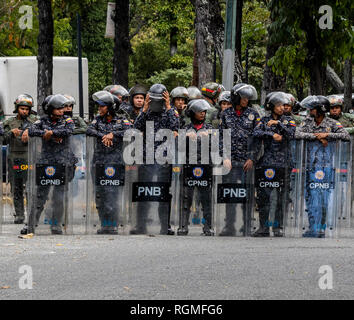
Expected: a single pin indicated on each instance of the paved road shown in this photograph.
(162, 267)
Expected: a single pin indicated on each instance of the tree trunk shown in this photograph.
(205, 41)
(173, 41)
(348, 85)
(45, 52)
(334, 80)
(195, 81)
(271, 82)
(121, 43)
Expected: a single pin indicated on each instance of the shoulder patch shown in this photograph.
(126, 122)
(339, 125)
(69, 120)
(176, 113)
(251, 117)
(292, 123)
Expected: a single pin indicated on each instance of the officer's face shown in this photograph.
(200, 116)
(335, 111)
(313, 113)
(23, 111)
(138, 101)
(179, 103)
(243, 102)
(68, 108)
(58, 113)
(287, 109)
(119, 98)
(102, 110)
(225, 105)
(279, 110)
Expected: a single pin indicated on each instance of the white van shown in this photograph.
(19, 75)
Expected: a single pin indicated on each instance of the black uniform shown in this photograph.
(106, 196)
(55, 152)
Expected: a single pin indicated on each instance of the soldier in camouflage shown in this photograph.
(210, 92)
(16, 136)
(55, 128)
(80, 124)
(335, 112)
(109, 130)
(275, 132)
(319, 129)
(137, 96)
(241, 119)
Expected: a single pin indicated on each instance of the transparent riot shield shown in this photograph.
(152, 203)
(320, 175)
(352, 182)
(272, 185)
(107, 185)
(343, 165)
(51, 168)
(196, 180)
(79, 185)
(1, 190)
(234, 202)
(296, 191)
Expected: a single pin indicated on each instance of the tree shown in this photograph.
(306, 47)
(121, 43)
(45, 51)
(209, 33)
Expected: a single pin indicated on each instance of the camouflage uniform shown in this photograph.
(276, 160)
(243, 147)
(54, 151)
(319, 159)
(165, 120)
(17, 161)
(106, 197)
(205, 193)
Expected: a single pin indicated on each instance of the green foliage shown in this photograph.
(172, 78)
(254, 37)
(292, 23)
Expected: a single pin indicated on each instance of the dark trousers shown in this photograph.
(107, 205)
(237, 175)
(39, 202)
(162, 173)
(205, 199)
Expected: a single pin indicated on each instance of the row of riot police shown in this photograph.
(145, 161)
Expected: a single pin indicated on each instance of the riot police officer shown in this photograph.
(275, 132)
(179, 97)
(157, 109)
(320, 130)
(55, 129)
(197, 113)
(210, 92)
(109, 130)
(241, 119)
(80, 124)
(16, 136)
(335, 112)
(137, 96)
(291, 108)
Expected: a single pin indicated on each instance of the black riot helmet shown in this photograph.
(137, 89)
(275, 99)
(57, 101)
(197, 105)
(242, 90)
(320, 103)
(105, 98)
(45, 103)
(157, 103)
